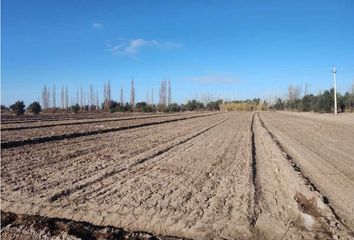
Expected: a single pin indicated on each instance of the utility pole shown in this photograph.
(335, 90)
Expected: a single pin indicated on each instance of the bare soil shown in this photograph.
(210, 176)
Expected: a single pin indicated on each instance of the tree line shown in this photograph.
(322, 102)
(85, 101)
(89, 101)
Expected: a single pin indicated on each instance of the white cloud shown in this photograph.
(132, 47)
(215, 79)
(97, 25)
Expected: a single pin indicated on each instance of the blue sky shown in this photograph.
(230, 49)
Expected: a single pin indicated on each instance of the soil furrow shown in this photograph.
(83, 122)
(12, 144)
(283, 184)
(137, 161)
(321, 150)
(23, 226)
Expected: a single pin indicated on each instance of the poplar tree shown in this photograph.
(132, 95)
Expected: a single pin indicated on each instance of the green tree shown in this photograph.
(173, 107)
(325, 102)
(194, 105)
(215, 105)
(75, 108)
(35, 108)
(279, 105)
(18, 108)
(308, 102)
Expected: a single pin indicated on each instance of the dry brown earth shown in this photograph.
(323, 147)
(220, 176)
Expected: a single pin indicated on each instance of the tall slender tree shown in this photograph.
(77, 96)
(163, 93)
(107, 95)
(81, 98)
(132, 95)
(45, 97)
(121, 97)
(91, 95)
(109, 92)
(62, 97)
(84, 100)
(66, 98)
(169, 93)
(48, 97)
(97, 100)
(54, 97)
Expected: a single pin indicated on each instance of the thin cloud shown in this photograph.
(215, 79)
(133, 47)
(97, 25)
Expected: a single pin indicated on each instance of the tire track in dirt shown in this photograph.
(284, 185)
(67, 192)
(17, 143)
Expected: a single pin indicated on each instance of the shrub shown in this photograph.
(35, 108)
(174, 107)
(75, 108)
(4, 108)
(18, 108)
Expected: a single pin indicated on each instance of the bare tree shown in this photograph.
(45, 97)
(81, 98)
(294, 93)
(206, 98)
(53, 97)
(121, 96)
(107, 95)
(77, 96)
(152, 96)
(97, 100)
(109, 92)
(306, 90)
(169, 93)
(84, 100)
(91, 95)
(62, 97)
(48, 97)
(66, 98)
(88, 99)
(132, 95)
(163, 93)
(147, 97)
(94, 101)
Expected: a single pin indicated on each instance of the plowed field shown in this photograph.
(265, 175)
